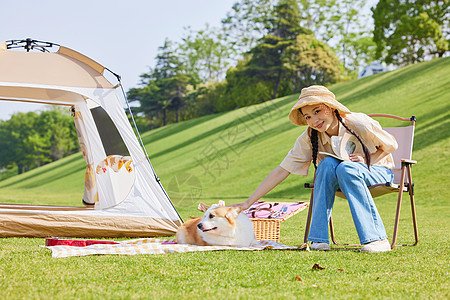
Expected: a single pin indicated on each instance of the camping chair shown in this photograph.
(402, 183)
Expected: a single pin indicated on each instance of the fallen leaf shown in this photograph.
(317, 267)
(342, 270)
(298, 278)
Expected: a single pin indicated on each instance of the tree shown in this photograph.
(319, 16)
(29, 140)
(309, 61)
(206, 99)
(266, 58)
(246, 24)
(149, 105)
(174, 90)
(57, 127)
(167, 62)
(163, 88)
(407, 32)
(20, 143)
(288, 58)
(344, 27)
(205, 54)
(354, 46)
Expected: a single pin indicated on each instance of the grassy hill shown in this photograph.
(226, 156)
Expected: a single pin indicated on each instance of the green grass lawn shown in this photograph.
(226, 156)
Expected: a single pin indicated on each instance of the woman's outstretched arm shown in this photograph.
(272, 180)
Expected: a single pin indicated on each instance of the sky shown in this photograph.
(124, 36)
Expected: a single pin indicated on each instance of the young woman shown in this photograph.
(326, 117)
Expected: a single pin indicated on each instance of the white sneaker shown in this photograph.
(320, 246)
(377, 246)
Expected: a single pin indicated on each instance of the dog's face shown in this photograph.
(219, 220)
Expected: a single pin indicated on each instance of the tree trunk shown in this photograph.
(277, 85)
(19, 168)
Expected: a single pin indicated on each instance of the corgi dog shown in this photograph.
(219, 226)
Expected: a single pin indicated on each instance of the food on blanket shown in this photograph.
(274, 210)
(115, 162)
(219, 226)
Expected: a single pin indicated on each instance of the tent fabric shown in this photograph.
(119, 181)
(68, 224)
(82, 58)
(45, 68)
(157, 246)
(37, 94)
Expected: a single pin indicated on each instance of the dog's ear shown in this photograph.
(203, 207)
(233, 212)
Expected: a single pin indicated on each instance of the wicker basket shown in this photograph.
(267, 229)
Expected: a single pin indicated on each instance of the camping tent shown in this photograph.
(122, 194)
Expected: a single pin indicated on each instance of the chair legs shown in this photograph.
(406, 168)
(399, 206)
(413, 207)
(308, 224)
(333, 238)
(308, 219)
(406, 171)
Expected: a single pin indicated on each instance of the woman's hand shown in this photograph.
(357, 157)
(243, 205)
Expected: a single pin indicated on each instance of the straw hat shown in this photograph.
(315, 94)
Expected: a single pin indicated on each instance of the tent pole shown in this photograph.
(142, 143)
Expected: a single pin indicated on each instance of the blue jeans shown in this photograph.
(352, 179)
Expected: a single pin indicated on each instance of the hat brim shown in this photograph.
(296, 117)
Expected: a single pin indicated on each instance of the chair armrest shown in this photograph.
(408, 161)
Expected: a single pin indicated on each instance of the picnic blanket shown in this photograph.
(155, 246)
(275, 210)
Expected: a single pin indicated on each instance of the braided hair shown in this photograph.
(315, 142)
(365, 150)
(315, 146)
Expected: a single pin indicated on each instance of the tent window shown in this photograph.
(110, 136)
